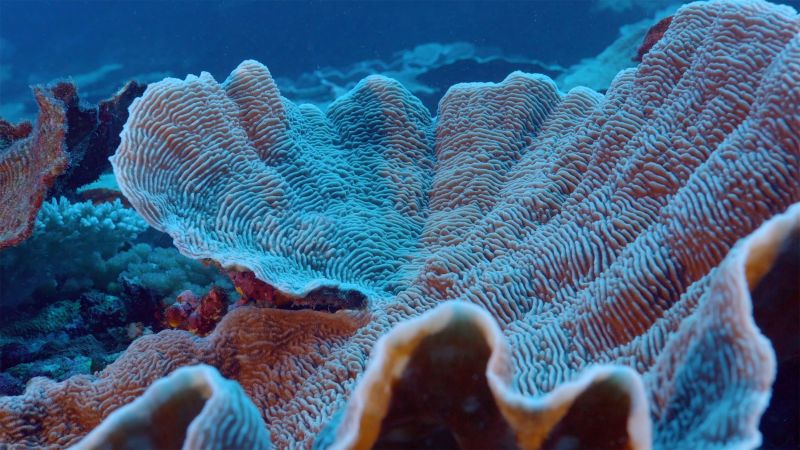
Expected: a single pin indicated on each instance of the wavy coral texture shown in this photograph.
(192, 408)
(29, 164)
(450, 368)
(590, 227)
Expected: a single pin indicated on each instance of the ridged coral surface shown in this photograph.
(590, 226)
(301, 198)
(202, 410)
(30, 161)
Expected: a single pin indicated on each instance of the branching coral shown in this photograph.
(67, 253)
(69, 146)
(163, 271)
(76, 247)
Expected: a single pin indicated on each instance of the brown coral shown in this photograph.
(30, 160)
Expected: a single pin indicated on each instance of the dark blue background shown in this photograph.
(51, 39)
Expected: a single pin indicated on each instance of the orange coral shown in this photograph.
(30, 161)
(197, 315)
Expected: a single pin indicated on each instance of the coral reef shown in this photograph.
(81, 288)
(454, 354)
(68, 337)
(594, 234)
(195, 314)
(599, 71)
(275, 355)
(30, 160)
(68, 147)
(77, 247)
(220, 414)
(92, 134)
(163, 271)
(67, 252)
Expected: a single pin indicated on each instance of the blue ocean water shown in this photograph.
(101, 44)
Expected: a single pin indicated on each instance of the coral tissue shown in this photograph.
(30, 160)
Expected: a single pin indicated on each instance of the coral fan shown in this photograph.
(30, 160)
(92, 133)
(591, 228)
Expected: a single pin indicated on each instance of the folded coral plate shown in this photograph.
(553, 265)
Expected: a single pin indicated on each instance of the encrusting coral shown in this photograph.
(591, 228)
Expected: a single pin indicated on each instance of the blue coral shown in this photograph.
(67, 251)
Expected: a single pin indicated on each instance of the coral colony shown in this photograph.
(527, 268)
